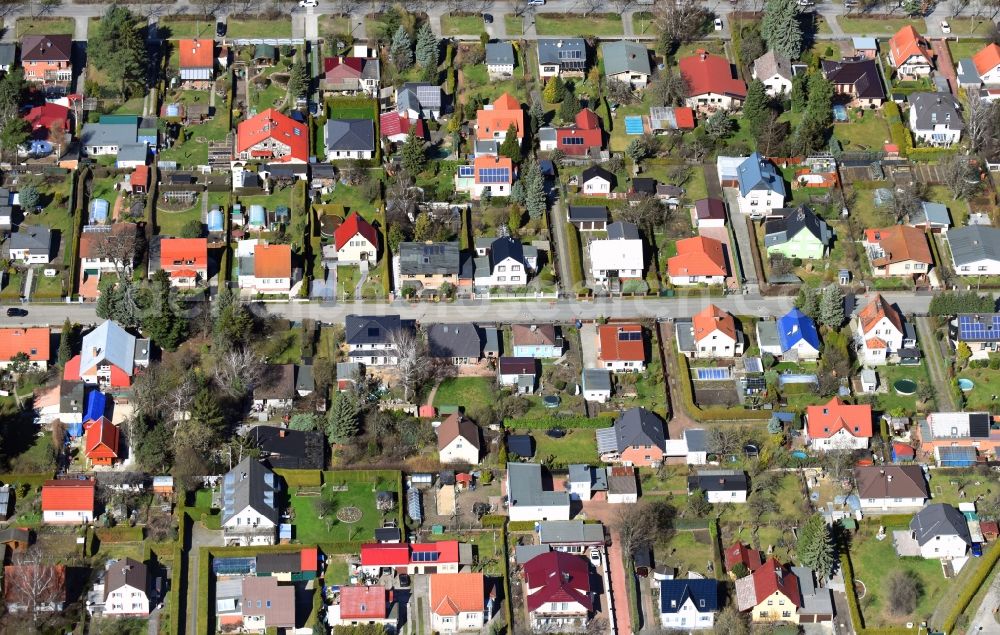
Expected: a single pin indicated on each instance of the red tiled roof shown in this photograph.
(740, 553)
(987, 59)
(363, 603)
(68, 495)
(119, 378)
(587, 119)
(824, 421)
(46, 115)
(394, 123)
(772, 576)
(197, 53)
(272, 261)
(557, 577)
(713, 318)
(613, 348)
(309, 559)
(706, 73)
(900, 243)
(271, 124)
(485, 161)
(343, 67)
(178, 254)
(907, 43)
(684, 117)
(33, 341)
(399, 555)
(506, 111)
(71, 371)
(877, 309)
(455, 593)
(101, 440)
(903, 451)
(140, 176)
(697, 256)
(351, 227)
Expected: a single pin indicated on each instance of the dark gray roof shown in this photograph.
(974, 243)
(644, 185)
(455, 340)
(625, 57)
(639, 427)
(417, 258)
(815, 600)
(786, 223)
(621, 230)
(282, 448)
(71, 395)
(268, 563)
(499, 53)
(719, 481)
(506, 247)
(710, 208)
(370, 329)
(939, 520)
(125, 572)
(426, 95)
(526, 488)
(588, 213)
(350, 134)
(558, 532)
(697, 439)
(596, 379)
(936, 109)
(8, 54)
(596, 170)
(863, 75)
(250, 484)
(304, 379)
(109, 134)
(33, 237)
(562, 50)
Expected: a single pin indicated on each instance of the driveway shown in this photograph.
(985, 619)
(944, 65)
(200, 537)
(557, 220)
(588, 344)
(606, 513)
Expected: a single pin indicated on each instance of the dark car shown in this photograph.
(13, 312)
(488, 18)
(220, 29)
(404, 581)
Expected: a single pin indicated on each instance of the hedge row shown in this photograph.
(360, 476)
(177, 601)
(33, 480)
(493, 520)
(575, 263)
(546, 423)
(714, 413)
(122, 533)
(508, 608)
(300, 478)
(852, 602)
(897, 130)
(972, 587)
(521, 525)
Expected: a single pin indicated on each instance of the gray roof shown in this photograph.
(108, 342)
(491, 342)
(304, 379)
(620, 230)
(423, 94)
(417, 258)
(596, 476)
(8, 54)
(596, 379)
(767, 333)
(562, 50)
(935, 109)
(250, 484)
(35, 238)
(684, 334)
(455, 340)
(770, 64)
(719, 481)
(556, 532)
(133, 152)
(787, 223)
(588, 213)
(974, 243)
(625, 57)
(499, 53)
(932, 214)
(525, 480)
(939, 520)
(71, 394)
(125, 572)
(350, 134)
(524, 553)
(109, 134)
(697, 439)
(639, 427)
(347, 370)
(967, 73)
(492, 146)
(370, 329)
(621, 480)
(547, 133)
(815, 600)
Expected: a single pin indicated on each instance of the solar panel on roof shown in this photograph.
(465, 171)
(494, 175)
(629, 336)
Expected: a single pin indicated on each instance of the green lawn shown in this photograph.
(867, 133)
(331, 26)
(45, 26)
(471, 393)
(347, 280)
(578, 446)
(182, 29)
(281, 27)
(353, 198)
(642, 23)
(310, 529)
(284, 347)
(352, 108)
(888, 375)
(987, 385)
(870, 557)
(194, 149)
(595, 24)
(462, 24)
(488, 550)
(170, 223)
(946, 484)
(514, 24)
(966, 27)
(875, 26)
(716, 47)
(686, 551)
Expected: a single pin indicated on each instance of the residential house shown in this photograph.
(504, 266)
(582, 138)
(626, 62)
(101, 442)
(898, 251)
(48, 122)
(428, 266)
(557, 591)
(987, 62)
(943, 433)
(360, 605)
(774, 70)
(720, 486)
(941, 531)
(779, 593)
(709, 212)
(287, 449)
(34, 342)
(712, 82)
(692, 447)
(865, 47)
(540, 341)
(636, 438)
(710, 334)
(441, 556)
(458, 440)
(688, 604)
(356, 240)
(197, 62)
(21, 593)
(858, 80)
(519, 372)
(276, 388)
(885, 487)
(622, 485)
(797, 233)
(494, 120)
(910, 54)
(618, 257)
(457, 344)
(838, 426)
(396, 127)
(588, 217)
(934, 118)
(114, 135)
(975, 250)
(250, 514)
(562, 57)
(583, 482)
(264, 604)
(817, 602)
(596, 181)
(932, 217)
(263, 268)
(699, 260)
(457, 602)
(793, 336)
(761, 185)
(31, 244)
(351, 75)
(596, 384)
(980, 332)
(487, 174)
(621, 348)
(69, 501)
(109, 357)
(528, 498)
(273, 137)
(349, 139)
(126, 588)
(47, 60)
(664, 119)
(185, 260)
(882, 333)
(369, 338)
(8, 56)
(500, 60)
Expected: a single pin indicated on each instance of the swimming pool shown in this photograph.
(840, 112)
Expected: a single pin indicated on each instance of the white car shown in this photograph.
(308, 3)
(595, 557)
(718, 24)
(945, 27)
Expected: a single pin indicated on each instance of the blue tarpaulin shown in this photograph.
(95, 405)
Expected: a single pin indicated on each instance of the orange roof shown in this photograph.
(272, 261)
(711, 319)
(140, 176)
(618, 343)
(900, 244)
(68, 495)
(876, 342)
(271, 124)
(454, 593)
(587, 119)
(486, 161)
(34, 342)
(824, 421)
(698, 256)
(177, 254)
(197, 53)
(907, 43)
(706, 73)
(684, 117)
(505, 111)
(987, 59)
(877, 309)
(101, 440)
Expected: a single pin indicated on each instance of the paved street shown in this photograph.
(985, 619)
(200, 537)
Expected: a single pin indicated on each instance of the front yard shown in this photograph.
(595, 24)
(259, 28)
(876, 26)
(462, 24)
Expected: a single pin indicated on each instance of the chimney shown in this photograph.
(559, 44)
(281, 433)
(534, 327)
(888, 478)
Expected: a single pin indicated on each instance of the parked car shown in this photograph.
(14, 312)
(404, 581)
(718, 24)
(308, 3)
(220, 29)
(488, 18)
(945, 27)
(977, 550)
(595, 557)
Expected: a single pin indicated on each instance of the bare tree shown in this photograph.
(238, 370)
(961, 175)
(907, 200)
(519, 7)
(415, 365)
(180, 398)
(648, 212)
(839, 463)
(640, 525)
(590, 6)
(119, 245)
(32, 585)
(981, 118)
(679, 21)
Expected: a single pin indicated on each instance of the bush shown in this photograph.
(493, 520)
(603, 420)
(972, 586)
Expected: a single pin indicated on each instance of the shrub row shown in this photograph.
(546, 423)
(493, 520)
(972, 587)
(521, 525)
(301, 478)
(122, 533)
(575, 259)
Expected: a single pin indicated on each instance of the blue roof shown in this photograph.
(756, 173)
(94, 405)
(795, 326)
(674, 593)
(257, 216)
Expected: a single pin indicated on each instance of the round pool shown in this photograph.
(800, 455)
(905, 387)
(966, 384)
